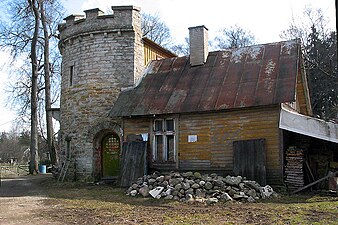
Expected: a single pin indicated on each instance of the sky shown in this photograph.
(264, 18)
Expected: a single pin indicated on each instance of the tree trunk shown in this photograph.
(33, 166)
(336, 5)
(48, 104)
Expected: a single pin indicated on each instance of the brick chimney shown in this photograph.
(198, 37)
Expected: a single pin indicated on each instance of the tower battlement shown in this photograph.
(123, 19)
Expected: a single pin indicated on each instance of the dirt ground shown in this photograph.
(40, 200)
(21, 200)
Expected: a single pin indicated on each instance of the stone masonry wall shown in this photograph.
(100, 55)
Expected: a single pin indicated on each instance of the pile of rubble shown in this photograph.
(191, 186)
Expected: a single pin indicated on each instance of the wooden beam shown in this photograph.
(330, 174)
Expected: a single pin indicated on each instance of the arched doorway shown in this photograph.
(110, 146)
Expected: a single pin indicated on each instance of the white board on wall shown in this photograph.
(192, 138)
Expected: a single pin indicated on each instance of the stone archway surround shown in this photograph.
(96, 134)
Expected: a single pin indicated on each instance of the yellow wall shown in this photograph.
(152, 54)
(135, 126)
(302, 95)
(216, 133)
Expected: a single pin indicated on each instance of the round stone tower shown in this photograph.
(100, 55)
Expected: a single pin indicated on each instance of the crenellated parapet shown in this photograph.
(123, 19)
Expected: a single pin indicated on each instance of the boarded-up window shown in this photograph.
(249, 159)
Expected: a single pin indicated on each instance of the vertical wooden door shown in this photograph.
(249, 160)
(110, 155)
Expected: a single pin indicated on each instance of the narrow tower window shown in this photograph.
(71, 75)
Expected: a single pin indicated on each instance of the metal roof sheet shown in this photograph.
(306, 125)
(235, 78)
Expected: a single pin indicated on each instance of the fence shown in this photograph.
(10, 170)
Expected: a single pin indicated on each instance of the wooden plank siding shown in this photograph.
(217, 131)
(153, 51)
(247, 152)
(135, 126)
(302, 95)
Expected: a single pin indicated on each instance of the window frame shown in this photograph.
(164, 133)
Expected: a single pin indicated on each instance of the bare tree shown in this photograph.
(156, 30)
(181, 49)
(300, 27)
(33, 166)
(48, 33)
(320, 56)
(336, 7)
(48, 104)
(32, 25)
(234, 37)
(20, 35)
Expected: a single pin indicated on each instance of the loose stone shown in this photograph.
(211, 201)
(133, 193)
(194, 187)
(144, 191)
(208, 185)
(197, 175)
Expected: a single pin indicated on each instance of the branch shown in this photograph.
(318, 67)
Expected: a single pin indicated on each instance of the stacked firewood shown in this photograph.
(294, 171)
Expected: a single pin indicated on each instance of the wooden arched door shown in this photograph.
(110, 155)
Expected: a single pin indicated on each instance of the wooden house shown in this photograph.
(218, 111)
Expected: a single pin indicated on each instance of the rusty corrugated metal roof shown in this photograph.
(235, 78)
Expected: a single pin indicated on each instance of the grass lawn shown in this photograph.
(74, 203)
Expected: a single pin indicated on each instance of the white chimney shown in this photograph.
(198, 37)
